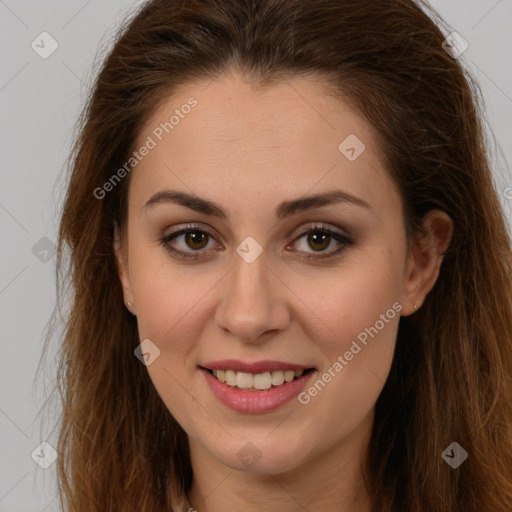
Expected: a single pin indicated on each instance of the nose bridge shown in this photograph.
(249, 279)
(253, 303)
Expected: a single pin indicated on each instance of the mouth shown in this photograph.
(257, 382)
(253, 393)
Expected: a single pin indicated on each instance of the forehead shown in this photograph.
(262, 143)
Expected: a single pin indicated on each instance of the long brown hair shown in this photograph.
(119, 447)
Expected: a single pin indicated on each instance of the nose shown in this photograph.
(254, 302)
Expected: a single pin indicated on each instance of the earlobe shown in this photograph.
(122, 268)
(425, 259)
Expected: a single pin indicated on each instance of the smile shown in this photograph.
(269, 386)
(258, 381)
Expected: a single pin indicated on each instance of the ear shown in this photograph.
(122, 268)
(425, 258)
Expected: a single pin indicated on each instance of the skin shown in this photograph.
(247, 149)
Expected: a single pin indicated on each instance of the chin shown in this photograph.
(261, 455)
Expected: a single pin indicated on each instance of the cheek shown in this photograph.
(166, 292)
(342, 303)
(360, 310)
(169, 303)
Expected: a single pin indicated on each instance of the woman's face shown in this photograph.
(250, 292)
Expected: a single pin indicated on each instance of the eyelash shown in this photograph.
(191, 228)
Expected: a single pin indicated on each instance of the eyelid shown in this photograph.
(335, 233)
(321, 226)
(339, 235)
(182, 229)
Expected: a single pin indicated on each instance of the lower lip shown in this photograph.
(256, 401)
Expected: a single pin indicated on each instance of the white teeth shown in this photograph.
(277, 378)
(289, 375)
(261, 381)
(230, 378)
(244, 380)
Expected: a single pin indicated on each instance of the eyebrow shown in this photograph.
(283, 210)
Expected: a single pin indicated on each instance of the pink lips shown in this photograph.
(255, 401)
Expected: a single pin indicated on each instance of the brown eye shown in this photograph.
(187, 243)
(196, 239)
(319, 240)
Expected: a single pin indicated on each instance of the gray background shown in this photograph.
(39, 102)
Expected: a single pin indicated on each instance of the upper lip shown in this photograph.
(254, 367)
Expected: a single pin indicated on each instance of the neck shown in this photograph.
(331, 482)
